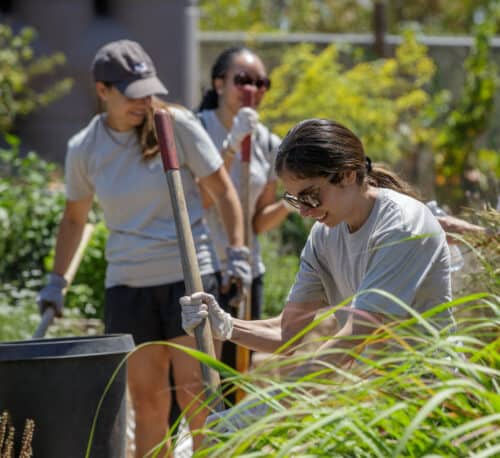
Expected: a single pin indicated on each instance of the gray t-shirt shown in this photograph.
(400, 249)
(142, 248)
(264, 145)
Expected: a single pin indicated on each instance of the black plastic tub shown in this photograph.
(58, 383)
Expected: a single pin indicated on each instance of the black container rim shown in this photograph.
(66, 347)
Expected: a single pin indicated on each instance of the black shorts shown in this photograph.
(150, 313)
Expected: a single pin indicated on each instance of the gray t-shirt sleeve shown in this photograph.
(399, 265)
(195, 149)
(78, 183)
(308, 285)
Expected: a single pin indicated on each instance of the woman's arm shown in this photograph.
(351, 337)
(70, 232)
(269, 213)
(269, 335)
(223, 193)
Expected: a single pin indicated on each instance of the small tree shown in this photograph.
(19, 69)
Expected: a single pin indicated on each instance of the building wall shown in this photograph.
(165, 28)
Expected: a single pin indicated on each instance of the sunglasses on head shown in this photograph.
(243, 79)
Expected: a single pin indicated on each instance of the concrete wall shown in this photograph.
(165, 28)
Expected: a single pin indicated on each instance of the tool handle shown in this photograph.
(166, 140)
(246, 143)
(190, 269)
(244, 312)
(49, 313)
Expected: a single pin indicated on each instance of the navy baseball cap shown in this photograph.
(126, 65)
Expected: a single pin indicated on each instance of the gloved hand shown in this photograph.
(238, 266)
(51, 295)
(244, 123)
(241, 415)
(197, 307)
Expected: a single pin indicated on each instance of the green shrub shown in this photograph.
(384, 101)
(18, 70)
(29, 214)
(87, 290)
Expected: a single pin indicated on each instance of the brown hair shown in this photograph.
(146, 131)
(324, 148)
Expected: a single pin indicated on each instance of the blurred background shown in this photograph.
(417, 81)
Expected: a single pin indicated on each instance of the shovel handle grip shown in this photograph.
(166, 140)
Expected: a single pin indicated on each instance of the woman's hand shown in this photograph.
(244, 123)
(198, 307)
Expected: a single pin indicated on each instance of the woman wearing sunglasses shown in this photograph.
(371, 235)
(227, 122)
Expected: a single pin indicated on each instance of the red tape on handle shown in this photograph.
(166, 140)
(246, 144)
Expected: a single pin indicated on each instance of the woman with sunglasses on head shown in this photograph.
(116, 157)
(228, 122)
(371, 234)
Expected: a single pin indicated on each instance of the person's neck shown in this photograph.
(362, 208)
(225, 116)
(116, 126)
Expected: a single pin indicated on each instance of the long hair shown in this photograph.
(210, 100)
(324, 148)
(145, 131)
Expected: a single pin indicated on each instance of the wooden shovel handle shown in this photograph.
(49, 313)
(192, 277)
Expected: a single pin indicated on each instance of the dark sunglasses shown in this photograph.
(242, 79)
(310, 200)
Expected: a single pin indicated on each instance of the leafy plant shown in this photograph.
(87, 290)
(438, 396)
(457, 145)
(29, 214)
(384, 101)
(19, 69)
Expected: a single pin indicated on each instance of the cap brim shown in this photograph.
(142, 87)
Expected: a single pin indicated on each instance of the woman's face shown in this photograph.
(245, 66)
(333, 203)
(123, 113)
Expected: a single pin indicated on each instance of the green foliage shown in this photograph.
(285, 15)
(337, 16)
(281, 267)
(384, 101)
(435, 394)
(19, 69)
(87, 290)
(457, 143)
(29, 214)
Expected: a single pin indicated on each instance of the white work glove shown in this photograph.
(238, 266)
(51, 295)
(244, 123)
(241, 415)
(197, 307)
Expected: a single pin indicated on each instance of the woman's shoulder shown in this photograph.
(400, 212)
(85, 136)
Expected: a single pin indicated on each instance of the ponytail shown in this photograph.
(210, 100)
(380, 177)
